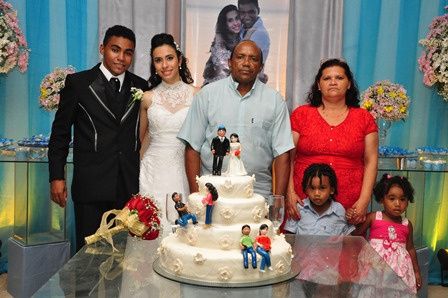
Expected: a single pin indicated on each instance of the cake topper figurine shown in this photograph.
(182, 210)
(263, 244)
(220, 147)
(209, 201)
(247, 244)
(236, 166)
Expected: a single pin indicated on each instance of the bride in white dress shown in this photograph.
(236, 166)
(162, 112)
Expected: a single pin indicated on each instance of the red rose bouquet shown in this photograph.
(237, 153)
(140, 217)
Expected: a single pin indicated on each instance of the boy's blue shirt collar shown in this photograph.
(330, 210)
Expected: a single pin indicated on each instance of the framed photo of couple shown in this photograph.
(212, 28)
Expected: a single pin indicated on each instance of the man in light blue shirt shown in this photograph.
(245, 106)
(331, 222)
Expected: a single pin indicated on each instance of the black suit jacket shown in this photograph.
(221, 148)
(106, 138)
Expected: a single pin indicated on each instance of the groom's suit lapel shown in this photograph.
(99, 92)
(125, 95)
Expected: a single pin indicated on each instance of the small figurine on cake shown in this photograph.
(247, 244)
(220, 147)
(182, 210)
(236, 166)
(209, 201)
(263, 244)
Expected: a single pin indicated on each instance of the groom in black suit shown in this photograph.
(220, 147)
(99, 106)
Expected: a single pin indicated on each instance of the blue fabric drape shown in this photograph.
(380, 43)
(59, 33)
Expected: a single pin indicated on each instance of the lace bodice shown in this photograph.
(162, 169)
(168, 110)
(173, 97)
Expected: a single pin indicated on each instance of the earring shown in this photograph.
(180, 67)
(157, 73)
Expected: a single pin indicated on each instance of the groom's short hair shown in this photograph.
(120, 31)
(254, 2)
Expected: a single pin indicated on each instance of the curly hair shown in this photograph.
(319, 170)
(386, 182)
(212, 190)
(167, 39)
(314, 96)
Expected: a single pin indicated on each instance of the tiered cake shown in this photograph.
(213, 254)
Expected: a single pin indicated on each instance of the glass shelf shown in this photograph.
(337, 266)
(37, 220)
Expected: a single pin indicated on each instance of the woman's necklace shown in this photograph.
(333, 115)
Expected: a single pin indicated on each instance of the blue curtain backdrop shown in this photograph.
(380, 43)
(59, 33)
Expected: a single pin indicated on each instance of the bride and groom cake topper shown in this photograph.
(221, 147)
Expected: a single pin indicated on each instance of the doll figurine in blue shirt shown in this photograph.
(182, 210)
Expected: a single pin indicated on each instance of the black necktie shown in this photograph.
(115, 83)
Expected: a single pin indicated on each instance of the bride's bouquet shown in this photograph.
(140, 216)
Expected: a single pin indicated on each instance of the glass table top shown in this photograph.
(328, 267)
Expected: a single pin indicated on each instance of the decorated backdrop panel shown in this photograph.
(199, 31)
(59, 33)
(380, 43)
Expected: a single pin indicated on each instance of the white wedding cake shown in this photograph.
(213, 254)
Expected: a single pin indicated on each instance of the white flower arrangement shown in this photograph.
(51, 86)
(386, 100)
(434, 59)
(13, 46)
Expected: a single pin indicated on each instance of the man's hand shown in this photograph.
(59, 192)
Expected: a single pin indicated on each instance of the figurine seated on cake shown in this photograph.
(220, 147)
(236, 166)
(182, 210)
(247, 246)
(209, 201)
(263, 244)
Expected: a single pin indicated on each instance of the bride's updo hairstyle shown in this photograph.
(167, 39)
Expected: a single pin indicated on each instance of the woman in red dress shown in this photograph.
(333, 129)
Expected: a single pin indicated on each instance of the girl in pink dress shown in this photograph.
(390, 234)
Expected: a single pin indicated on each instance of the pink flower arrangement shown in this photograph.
(386, 100)
(50, 87)
(13, 47)
(434, 60)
